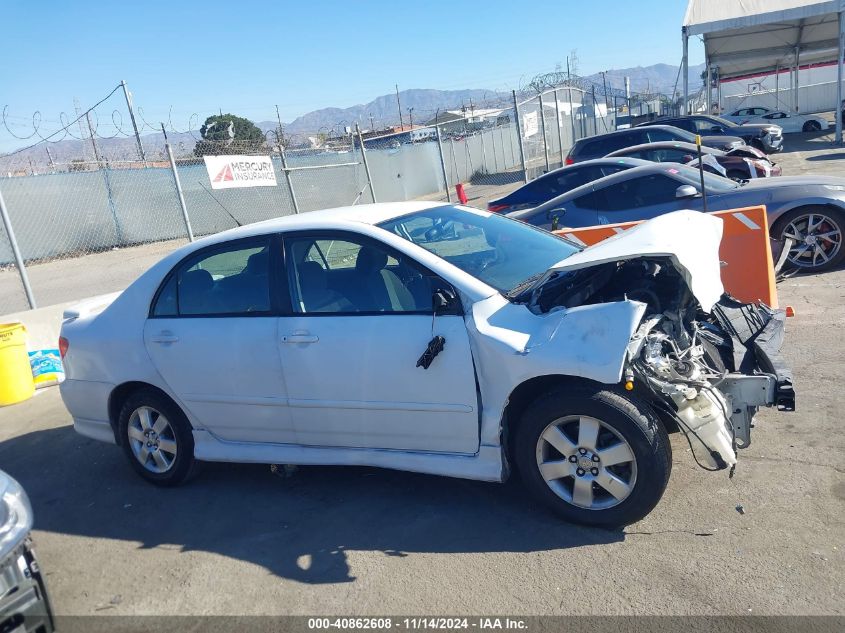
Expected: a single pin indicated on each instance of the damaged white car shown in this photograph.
(437, 339)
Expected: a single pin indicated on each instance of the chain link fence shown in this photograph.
(92, 221)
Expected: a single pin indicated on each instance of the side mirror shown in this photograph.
(554, 216)
(686, 191)
(444, 301)
(716, 129)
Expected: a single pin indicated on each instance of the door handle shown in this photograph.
(300, 337)
(164, 338)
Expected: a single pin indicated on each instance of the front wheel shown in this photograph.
(156, 438)
(816, 234)
(594, 456)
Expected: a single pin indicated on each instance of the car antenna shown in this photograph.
(229, 213)
(701, 171)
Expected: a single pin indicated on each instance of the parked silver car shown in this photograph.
(24, 605)
(808, 209)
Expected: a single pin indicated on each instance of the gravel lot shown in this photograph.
(242, 540)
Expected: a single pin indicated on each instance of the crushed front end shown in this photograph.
(709, 373)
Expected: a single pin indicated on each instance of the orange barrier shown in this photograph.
(749, 274)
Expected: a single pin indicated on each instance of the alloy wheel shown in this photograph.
(152, 439)
(817, 239)
(586, 462)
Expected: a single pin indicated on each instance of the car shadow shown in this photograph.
(298, 526)
(831, 156)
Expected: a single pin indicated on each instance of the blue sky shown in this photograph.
(245, 57)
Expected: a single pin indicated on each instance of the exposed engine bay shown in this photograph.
(705, 372)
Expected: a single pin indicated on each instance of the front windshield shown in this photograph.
(712, 182)
(501, 252)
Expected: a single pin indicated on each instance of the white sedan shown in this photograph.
(789, 122)
(431, 338)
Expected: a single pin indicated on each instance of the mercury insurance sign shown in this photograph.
(227, 172)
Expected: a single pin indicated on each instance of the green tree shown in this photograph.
(229, 134)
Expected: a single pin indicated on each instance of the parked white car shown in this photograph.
(789, 122)
(432, 338)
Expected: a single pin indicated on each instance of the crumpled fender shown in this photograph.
(511, 345)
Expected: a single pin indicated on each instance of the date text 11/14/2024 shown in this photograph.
(417, 623)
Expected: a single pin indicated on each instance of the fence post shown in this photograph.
(519, 137)
(483, 154)
(134, 124)
(106, 180)
(543, 130)
(178, 186)
(364, 158)
(288, 178)
(559, 126)
(572, 116)
(13, 242)
(442, 162)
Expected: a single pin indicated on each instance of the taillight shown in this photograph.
(63, 345)
(497, 208)
(569, 161)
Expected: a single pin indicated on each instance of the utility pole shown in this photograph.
(411, 117)
(399, 105)
(372, 125)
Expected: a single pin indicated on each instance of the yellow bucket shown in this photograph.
(16, 383)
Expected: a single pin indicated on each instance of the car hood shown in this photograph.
(690, 239)
(753, 128)
(796, 181)
(721, 141)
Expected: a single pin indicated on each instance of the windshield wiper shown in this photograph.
(523, 286)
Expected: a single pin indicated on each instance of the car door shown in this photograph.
(351, 349)
(211, 334)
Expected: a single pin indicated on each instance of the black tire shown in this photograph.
(834, 216)
(183, 465)
(633, 420)
(811, 126)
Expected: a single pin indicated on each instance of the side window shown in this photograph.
(607, 170)
(348, 275)
(569, 179)
(229, 280)
(674, 156)
(656, 135)
(633, 193)
(651, 190)
(703, 126)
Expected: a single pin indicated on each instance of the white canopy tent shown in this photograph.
(744, 37)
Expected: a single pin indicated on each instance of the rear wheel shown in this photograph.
(817, 237)
(593, 456)
(156, 438)
(811, 126)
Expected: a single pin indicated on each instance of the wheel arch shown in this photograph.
(778, 224)
(528, 391)
(121, 393)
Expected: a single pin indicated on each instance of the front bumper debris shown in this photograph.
(762, 377)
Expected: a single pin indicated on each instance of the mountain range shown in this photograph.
(419, 103)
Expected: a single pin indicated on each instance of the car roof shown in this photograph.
(597, 162)
(328, 218)
(626, 174)
(664, 145)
